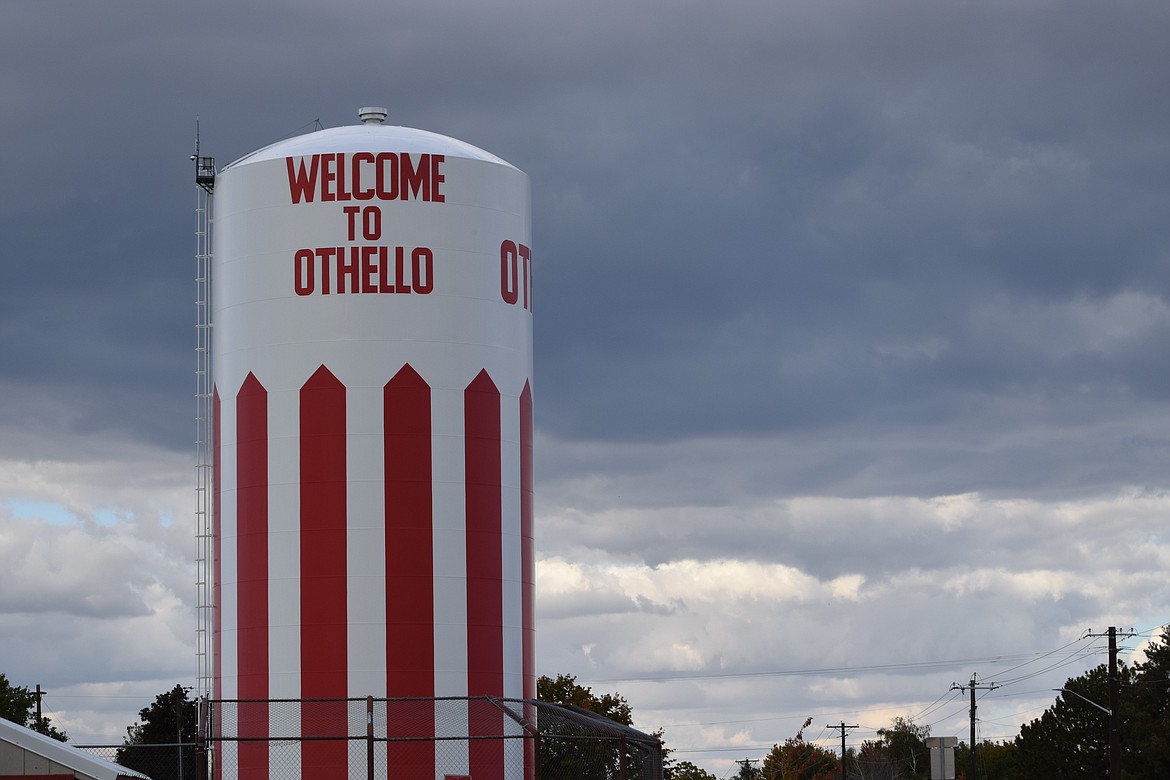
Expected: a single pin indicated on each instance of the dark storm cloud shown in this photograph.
(882, 206)
(733, 226)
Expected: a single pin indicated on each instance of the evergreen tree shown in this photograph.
(18, 704)
(685, 770)
(747, 771)
(565, 690)
(565, 755)
(1071, 739)
(162, 743)
(1145, 704)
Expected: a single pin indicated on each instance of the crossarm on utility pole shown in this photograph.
(842, 726)
(971, 766)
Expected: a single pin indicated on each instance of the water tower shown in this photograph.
(368, 392)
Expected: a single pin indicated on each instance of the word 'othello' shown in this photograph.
(336, 270)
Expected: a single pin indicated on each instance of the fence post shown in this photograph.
(201, 734)
(370, 737)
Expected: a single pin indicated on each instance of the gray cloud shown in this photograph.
(868, 300)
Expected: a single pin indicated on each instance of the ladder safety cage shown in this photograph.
(205, 181)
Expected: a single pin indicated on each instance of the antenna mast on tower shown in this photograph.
(205, 181)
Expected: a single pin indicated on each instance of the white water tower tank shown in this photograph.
(372, 437)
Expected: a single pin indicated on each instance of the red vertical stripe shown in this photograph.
(410, 637)
(527, 545)
(252, 574)
(485, 609)
(323, 575)
(216, 575)
(527, 572)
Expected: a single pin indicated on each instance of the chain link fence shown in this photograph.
(173, 761)
(577, 743)
(396, 738)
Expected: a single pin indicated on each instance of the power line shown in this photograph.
(1045, 655)
(872, 668)
(936, 704)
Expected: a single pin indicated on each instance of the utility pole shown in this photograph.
(971, 769)
(1114, 715)
(1114, 697)
(39, 694)
(843, 726)
(179, 734)
(745, 768)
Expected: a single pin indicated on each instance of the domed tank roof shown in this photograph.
(372, 135)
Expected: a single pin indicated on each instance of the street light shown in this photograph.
(1114, 754)
(1090, 701)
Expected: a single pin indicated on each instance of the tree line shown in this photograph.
(1069, 740)
(18, 703)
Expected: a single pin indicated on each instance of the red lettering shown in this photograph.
(526, 261)
(415, 181)
(396, 176)
(386, 178)
(369, 269)
(342, 192)
(515, 273)
(356, 176)
(418, 258)
(303, 272)
(302, 182)
(383, 269)
(328, 177)
(437, 178)
(325, 253)
(363, 269)
(348, 267)
(508, 274)
(371, 223)
(351, 212)
(400, 285)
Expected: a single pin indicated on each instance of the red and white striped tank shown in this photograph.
(372, 437)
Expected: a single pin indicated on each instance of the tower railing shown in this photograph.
(371, 737)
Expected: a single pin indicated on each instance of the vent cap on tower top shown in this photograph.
(373, 115)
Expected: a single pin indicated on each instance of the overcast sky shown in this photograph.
(851, 325)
